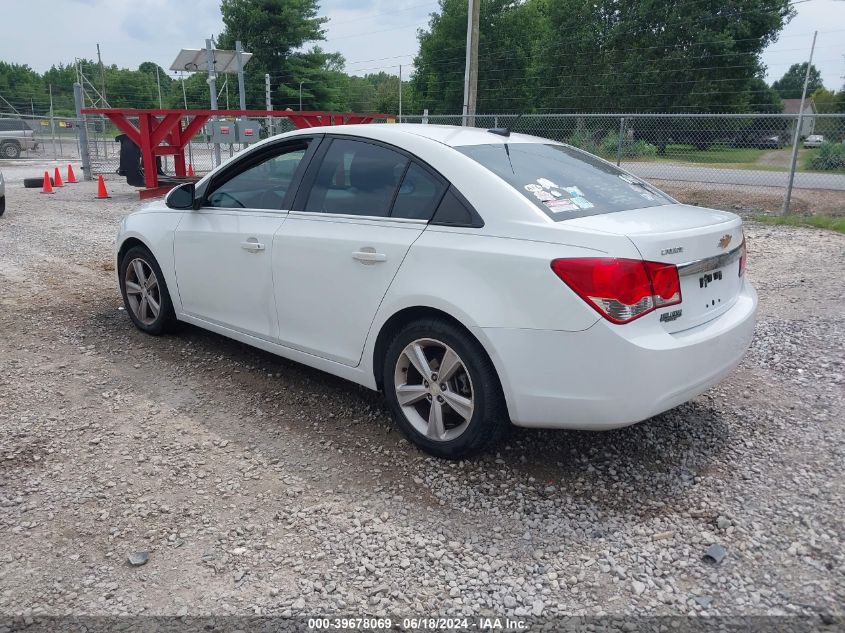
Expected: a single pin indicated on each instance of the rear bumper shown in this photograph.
(607, 377)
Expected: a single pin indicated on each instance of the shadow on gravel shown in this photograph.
(635, 469)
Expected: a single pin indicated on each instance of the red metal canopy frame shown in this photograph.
(162, 132)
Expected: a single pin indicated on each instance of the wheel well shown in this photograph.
(395, 323)
(10, 141)
(128, 243)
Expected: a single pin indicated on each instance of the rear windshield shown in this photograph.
(565, 182)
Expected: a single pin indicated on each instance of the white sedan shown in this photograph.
(478, 278)
(814, 140)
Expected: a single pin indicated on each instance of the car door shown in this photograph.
(359, 209)
(222, 251)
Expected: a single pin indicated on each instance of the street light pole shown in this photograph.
(300, 95)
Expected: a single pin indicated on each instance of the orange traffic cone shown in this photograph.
(57, 178)
(47, 187)
(71, 177)
(101, 188)
(190, 169)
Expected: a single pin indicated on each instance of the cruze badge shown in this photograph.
(672, 251)
(670, 316)
(726, 239)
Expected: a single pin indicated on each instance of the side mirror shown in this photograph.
(182, 197)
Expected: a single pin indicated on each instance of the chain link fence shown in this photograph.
(727, 160)
(754, 150)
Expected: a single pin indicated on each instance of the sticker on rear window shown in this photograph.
(546, 183)
(582, 203)
(561, 206)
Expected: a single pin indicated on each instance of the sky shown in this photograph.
(372, 35)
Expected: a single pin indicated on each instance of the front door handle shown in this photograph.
(369, 256)
(252, 245)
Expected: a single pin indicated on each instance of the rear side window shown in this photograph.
(418, 195)
(565, 182)
(357, 178)
(453, 212)
(14, 125)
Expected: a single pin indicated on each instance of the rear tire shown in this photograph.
(10, 150)
(145, 293)
(452, 414)
(2, 206)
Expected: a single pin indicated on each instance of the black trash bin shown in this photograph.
(131, 165)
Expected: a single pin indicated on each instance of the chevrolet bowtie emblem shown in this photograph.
(726, 239)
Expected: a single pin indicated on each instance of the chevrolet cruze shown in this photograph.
(478, 278)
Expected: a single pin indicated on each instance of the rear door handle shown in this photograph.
(369, 257)
(252, 245)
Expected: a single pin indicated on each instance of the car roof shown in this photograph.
(450, 135)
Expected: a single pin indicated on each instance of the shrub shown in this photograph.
(829, 156)
(583, 139)
(630, 149)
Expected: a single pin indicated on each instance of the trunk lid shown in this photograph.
(703, 243)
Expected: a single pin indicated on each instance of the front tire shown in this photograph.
(443, 390)
(145, 293)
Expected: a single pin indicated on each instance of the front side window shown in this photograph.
(565, 182)
(357, 178)
(261, 186)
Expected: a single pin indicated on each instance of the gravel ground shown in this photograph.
(257, 486)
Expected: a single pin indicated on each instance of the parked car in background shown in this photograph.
(759, 141)
(814, 140)
(2, 195)
(16, 136)
(478, 278)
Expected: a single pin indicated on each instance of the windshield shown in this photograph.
(565, 182)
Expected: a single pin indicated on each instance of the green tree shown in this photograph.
(604, 55)
(276, 33)
(160, 78)
(60, 80)
(22, 90)
(791, 84)
(506, 30)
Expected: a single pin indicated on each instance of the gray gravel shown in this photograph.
(257, 486)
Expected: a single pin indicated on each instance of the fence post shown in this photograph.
(621, 141)
(798, 129)
(82, 126)
(268, 103)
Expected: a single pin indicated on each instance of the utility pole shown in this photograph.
(239, 49)
(471, 64)
(268, 103)
(102, 76)
(158, 84)
(798, 124)
(52, 122)
(241, 90)
(79, 103)
(185, 101)
(400, 93)
(300, 95)
(212, 87)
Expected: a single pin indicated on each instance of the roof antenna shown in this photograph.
(506, 131)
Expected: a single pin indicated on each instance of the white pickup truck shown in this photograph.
(16, 136)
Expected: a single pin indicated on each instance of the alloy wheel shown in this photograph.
(142, 291)
(434, 389)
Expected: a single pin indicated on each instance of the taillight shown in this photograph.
(743, 257)
(621, 290)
